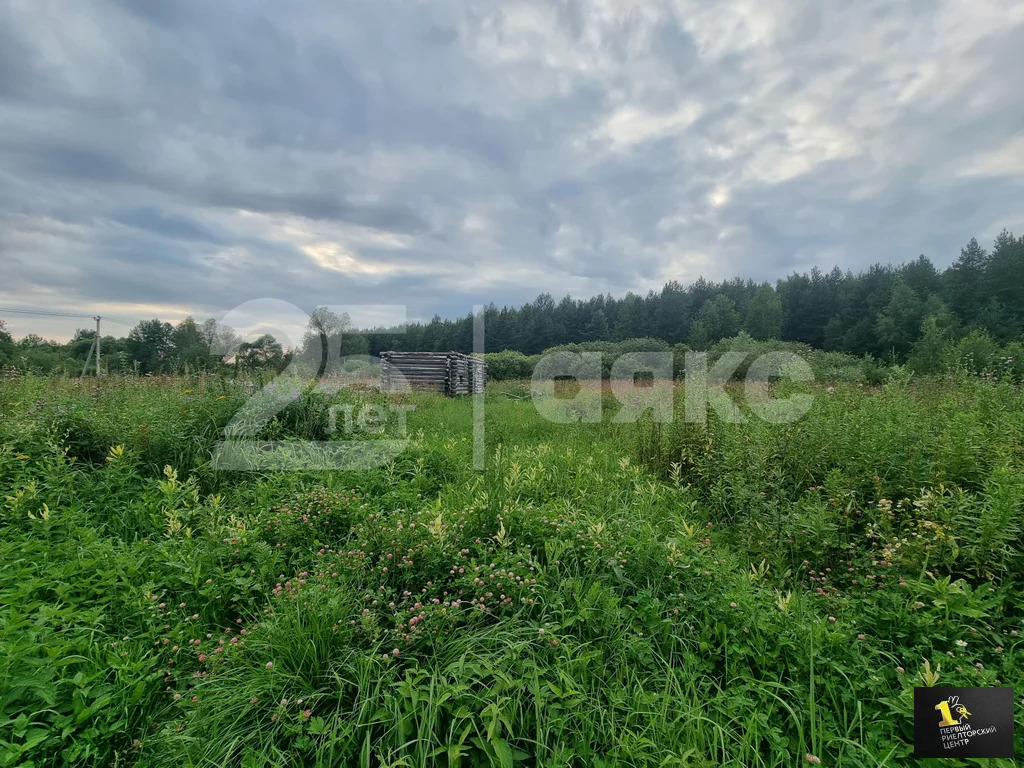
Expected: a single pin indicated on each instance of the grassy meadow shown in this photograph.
(601, 594)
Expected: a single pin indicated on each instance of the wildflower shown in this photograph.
(813, 759)
(733, 605)
(394, 652)
(284, 702)
(901, 670)
(961, 643)
(862, 637)
(270, 665)
(306, 713)
(253, 700)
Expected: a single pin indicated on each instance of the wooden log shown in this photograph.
(450, 373)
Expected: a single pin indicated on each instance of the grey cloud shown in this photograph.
(319, 205)
(196, 155)
(167, 224)
(80, 163)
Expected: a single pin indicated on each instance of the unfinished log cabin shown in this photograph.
(446, 373)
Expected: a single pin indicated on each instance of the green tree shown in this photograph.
(945, 320)
(190, 347)
(998, 320)
(79, 345)
(262, 354)
(670, 316)
(921, 276)
(220, 339)
(717, 319)
(930, 353)
(632, 321)
(541, 331)
(964, 281)
(977, 351)
(150, 344)
(1004, 283)
(30, 341)
(597, 329)
(322, 344)
(808, 302)
(764, 315)
(6, 345)
(898, 324)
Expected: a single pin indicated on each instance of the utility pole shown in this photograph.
(95, 345)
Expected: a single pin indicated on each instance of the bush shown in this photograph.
(834, 367)
(509, 365)
(976, 352)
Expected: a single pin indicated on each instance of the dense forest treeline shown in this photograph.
(888, 313)
(880, 312)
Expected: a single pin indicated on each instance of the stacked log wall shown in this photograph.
(446, 373)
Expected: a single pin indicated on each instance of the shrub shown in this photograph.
(976, 352)
(509, 365)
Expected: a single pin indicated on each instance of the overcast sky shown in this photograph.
(165, 159)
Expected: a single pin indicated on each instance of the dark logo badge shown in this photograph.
(963, 722)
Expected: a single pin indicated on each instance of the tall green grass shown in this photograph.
(600, 595)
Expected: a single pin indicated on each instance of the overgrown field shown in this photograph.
(610, 594)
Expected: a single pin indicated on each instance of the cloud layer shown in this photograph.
(166, 159)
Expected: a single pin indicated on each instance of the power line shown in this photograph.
(50, 313)
(94, 347)
(43, 312)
